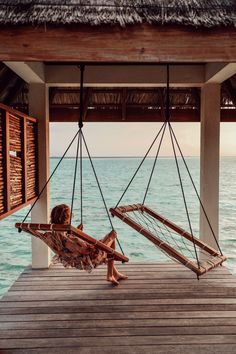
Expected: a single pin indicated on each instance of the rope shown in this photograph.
(175, 156)
(50, 177)
(82, 139)
(81, 116)
(81, 181)
(79, 147)
(75, 174)
(158, 149)
(183, 194)
(167, 110)
(154, 164)
(143, 159)
(196, 191)
(172, 238)
(81, 102)
(99, 187)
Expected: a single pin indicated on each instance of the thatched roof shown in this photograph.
(198, 13)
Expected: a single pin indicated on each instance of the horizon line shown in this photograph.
(131, 157)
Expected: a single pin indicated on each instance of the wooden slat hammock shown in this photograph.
(178, 244)
(64, 241)
(169, 237)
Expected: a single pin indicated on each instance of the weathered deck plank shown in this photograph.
(162, 308)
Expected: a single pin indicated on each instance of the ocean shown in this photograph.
(114, 174)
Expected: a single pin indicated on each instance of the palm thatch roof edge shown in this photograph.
(197, 13)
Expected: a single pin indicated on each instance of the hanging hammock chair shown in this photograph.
(176, 243)
(71, 245)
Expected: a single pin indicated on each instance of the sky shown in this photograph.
(133, 139)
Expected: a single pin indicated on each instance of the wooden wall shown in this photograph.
(18, 160)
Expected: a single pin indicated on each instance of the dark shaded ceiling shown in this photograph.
(116, 104)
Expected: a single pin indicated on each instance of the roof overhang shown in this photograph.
(142, 43)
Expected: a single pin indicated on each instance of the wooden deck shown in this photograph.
(162, 308)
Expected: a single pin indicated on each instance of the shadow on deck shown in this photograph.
(162, 308)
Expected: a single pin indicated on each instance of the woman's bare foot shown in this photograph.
(120, 276)
(113, 280)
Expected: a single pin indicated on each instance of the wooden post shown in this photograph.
(39, 108)
(209, 161)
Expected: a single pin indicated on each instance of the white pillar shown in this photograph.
(39, 108)
(209, 161)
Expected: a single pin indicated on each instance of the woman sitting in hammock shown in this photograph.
(89, 257)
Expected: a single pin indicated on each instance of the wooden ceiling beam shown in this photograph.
(126, 75)
(219, 72)
(135, 43)
(30, 72)
(134, 115)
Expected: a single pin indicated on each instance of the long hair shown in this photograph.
(60, 214)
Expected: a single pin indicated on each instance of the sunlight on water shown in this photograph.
(114, 174)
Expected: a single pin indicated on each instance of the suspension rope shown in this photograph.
(75, 174)
(196, 191)
(81, 116)
(167, 118)
(81, 179)
(167, 110)
(100, 189)
(154, 164)
(183, 194)
(50, 177)
(81, 102)
(81, 140)
(141, 163)
(176, 160)
(79, 149)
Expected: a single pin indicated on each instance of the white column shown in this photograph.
(209, 161)
(39, 108)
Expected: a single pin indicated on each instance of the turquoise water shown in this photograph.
(114, 174)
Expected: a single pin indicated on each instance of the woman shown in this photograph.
(90, 257)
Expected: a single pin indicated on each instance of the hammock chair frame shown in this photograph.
(36, 229)
(200, 269)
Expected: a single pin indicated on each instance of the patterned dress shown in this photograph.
(74, 252)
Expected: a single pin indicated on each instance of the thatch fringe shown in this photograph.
(198, 13)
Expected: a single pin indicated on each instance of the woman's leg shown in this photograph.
(110, 263)
(112, 273)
